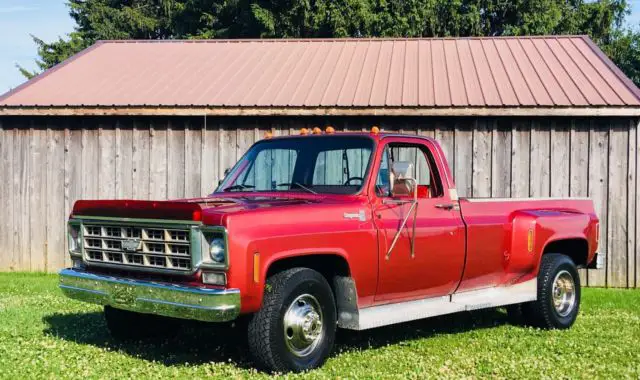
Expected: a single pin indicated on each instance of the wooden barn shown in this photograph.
(518, 117)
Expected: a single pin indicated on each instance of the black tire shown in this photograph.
(127, 325)
(268, 345)
(543, 312)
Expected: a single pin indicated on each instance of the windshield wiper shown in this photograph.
(299, 185)
(238, 187)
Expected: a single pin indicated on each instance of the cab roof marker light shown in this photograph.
(304, 131)
(329, 130)
(268, 135)
(317, 131)
(375, 130)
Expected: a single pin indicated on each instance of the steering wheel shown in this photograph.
(348, 181)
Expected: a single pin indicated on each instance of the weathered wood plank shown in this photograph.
(445, 136)
(7, 197)
(141, 160)
(227, 150)
(631, 203)
(38, 198)
(636, 283)
(520, 159)
(501, 160)
(55, 199)
(21, 208)
(193, 159)
(579, 154)
(561, 158)
(210, 167)
(463, 157)
(175, 159)
(481, 167)
(72, 173)
(598, 185)
(245, 140)
(579, 167)
(540, 170)
(617, 207)
(107, 162)
(90, 161)
(158, 161)
(124, 160)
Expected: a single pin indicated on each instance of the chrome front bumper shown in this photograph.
(202, 304)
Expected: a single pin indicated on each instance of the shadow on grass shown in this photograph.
(198, 343)
(194, 343)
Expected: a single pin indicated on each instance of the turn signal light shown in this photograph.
(214, 278)
(530, 240)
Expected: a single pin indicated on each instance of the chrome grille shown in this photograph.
(157, 247)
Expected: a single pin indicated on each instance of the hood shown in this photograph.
(211, 210)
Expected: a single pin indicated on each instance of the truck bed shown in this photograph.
(499, 230)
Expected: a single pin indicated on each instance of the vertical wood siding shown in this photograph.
(46, 164)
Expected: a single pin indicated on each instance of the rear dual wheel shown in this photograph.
(558, 300)
(295, 328)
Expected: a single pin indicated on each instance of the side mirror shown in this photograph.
(402, 182)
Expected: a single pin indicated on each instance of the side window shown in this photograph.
(413, 154)
(423, 166)
(383, 182)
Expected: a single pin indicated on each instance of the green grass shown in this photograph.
(44, 335)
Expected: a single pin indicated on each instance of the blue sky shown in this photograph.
(49, 19)
(46, 19)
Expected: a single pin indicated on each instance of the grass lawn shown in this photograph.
(44, 335)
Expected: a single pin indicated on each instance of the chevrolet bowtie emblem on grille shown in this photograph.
(130, 245)
(361, 216)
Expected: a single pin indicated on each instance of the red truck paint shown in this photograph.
(476, 244)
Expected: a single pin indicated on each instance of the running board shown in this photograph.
(389, 314)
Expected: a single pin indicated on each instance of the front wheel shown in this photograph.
(558, 300)
(295, 328)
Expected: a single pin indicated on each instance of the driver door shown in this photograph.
(435, 268)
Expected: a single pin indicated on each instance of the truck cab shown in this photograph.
(317, 231)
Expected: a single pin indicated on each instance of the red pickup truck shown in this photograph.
(323, 230)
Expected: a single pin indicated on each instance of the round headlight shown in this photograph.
(216, 250)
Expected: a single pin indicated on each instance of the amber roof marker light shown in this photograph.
(268, 135)
(375, 130)
(317, 131)
(304, 131)
(329, 130)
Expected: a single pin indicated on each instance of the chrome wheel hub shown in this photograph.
(564, 293)
(303, 325)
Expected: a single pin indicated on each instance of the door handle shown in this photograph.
(445, 206)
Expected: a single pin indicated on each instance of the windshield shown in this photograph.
(319, 165)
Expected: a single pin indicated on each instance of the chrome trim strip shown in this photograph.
(485, 200)
(170, 300)
(388, 314)
(118, 220)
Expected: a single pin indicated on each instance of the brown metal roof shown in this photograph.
(506, 72)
